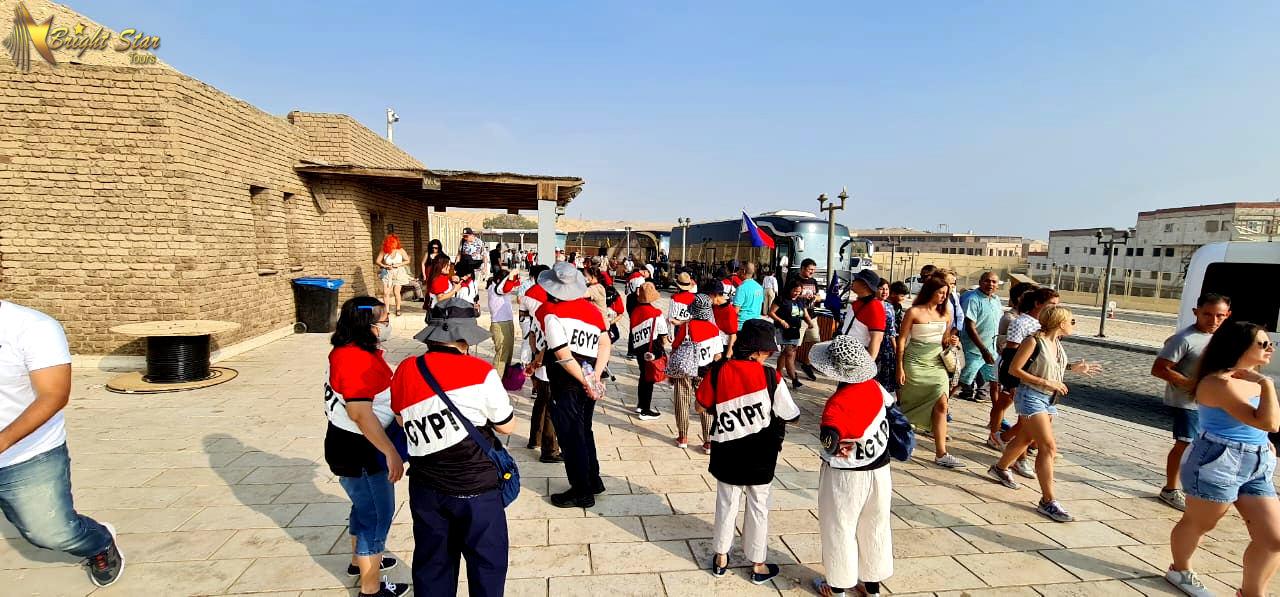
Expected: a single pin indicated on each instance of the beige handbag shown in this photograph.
(950, 358)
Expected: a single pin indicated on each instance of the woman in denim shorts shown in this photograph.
(1232, 462)
(1040, 363)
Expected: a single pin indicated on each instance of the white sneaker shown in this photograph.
(1188, 582)
(1024, 467)
(1175, 498)
(948, 461)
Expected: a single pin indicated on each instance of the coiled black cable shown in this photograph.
(177, 359)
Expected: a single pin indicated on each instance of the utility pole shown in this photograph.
(684, 236)
(1109, 241)
(392, 117)
(831, 228)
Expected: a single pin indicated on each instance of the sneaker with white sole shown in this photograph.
(1175, 498)
(1003, 476)
(682, 442)
(1187, 582)
(995, 443)
(948, 461)
(1054, 510)
(1024, 467)
(651, 415)
(106, 567)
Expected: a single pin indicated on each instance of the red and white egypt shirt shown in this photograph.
(354, 375)
(747, 422)
(855, 417)
(705, 335)
(442, 455)
(635, 281)
(648, 327)
(680, 302)
(576, 325)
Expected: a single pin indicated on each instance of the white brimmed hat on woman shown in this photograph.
(843, 359)
(563, 281)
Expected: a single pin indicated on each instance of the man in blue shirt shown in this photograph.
(982, 311)
(750, 296)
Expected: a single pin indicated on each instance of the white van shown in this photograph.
(1244, 272)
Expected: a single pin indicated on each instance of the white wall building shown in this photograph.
(1154, 259)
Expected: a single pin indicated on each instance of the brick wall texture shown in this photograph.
(139, 194)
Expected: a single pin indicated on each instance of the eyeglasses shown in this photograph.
(1073, 321)
(1266, 345)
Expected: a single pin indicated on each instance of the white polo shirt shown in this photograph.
(29, 341)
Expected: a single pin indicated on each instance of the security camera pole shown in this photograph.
(1108, 241)
(831, 229)
(391, 117)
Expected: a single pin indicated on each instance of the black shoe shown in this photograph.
(388, 563)
(551, 458)
(389, 589)
(760, 579)
(795, 384)
(532, 446)
(716, 569)
(106, 567)
(570, 500)
(808, 371)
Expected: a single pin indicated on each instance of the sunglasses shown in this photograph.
(1266, 345)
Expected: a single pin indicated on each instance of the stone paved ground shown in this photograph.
(223, 491)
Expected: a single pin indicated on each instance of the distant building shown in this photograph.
(947, 243)
(1155, 258)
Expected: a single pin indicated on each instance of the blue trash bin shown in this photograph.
(316, 303)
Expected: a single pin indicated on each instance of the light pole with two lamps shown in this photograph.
(831, 228)
(684, 236)
(1109, 240)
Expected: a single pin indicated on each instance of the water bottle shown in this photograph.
(596, 386)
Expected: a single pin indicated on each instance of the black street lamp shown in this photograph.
(1109, 240)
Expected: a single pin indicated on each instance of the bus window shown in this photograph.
(1241, 282)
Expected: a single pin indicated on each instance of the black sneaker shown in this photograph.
(389, 589)
(808, 371)
(760, 579)
(551, 458)
(388, 563)
(650, 415)
(570, 500)
(105, 568)
(795, 384)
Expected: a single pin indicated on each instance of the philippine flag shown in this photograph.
(758, 237)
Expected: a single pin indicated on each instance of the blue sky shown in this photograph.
(1000, 117)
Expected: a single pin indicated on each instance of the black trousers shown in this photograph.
(446, 528)
(571, 412)
(644, 391)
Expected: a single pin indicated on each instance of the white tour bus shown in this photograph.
(1243, 271)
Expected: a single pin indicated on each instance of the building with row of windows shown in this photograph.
(908, 240)
(1154, 258)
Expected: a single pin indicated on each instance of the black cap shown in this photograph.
(756, 334)
(870, 277)
(710, 288)
(468, 230)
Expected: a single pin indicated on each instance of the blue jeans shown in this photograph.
(36, 497)
(373, 504)
(1220, 470)
(1028, 401)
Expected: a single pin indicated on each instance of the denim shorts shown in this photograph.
(1220, 470)
(1186, 424)
(1028, 401)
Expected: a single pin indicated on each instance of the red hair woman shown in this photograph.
(394, 272)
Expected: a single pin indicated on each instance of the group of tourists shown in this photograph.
(896, 365)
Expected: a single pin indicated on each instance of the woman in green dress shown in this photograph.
(926, 328)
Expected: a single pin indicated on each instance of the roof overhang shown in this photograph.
(455, 188)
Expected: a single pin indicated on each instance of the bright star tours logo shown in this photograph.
(27, 34)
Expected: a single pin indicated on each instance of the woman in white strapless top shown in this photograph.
(926, 328)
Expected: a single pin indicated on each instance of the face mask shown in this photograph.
(384, 331)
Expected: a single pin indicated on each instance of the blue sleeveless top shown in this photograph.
(1220, 423)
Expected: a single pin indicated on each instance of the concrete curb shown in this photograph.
(1116, 344)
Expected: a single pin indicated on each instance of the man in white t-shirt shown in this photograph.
(35, 469)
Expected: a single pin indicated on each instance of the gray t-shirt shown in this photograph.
(1184, 350)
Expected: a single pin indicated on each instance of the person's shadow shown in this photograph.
(299, 524)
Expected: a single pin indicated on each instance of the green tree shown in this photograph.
(510, 222)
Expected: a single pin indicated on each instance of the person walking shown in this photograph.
(724, 313)
(542, 433)
(887, 360)
(749, 406)
(982, 311)
(770, 286)
(1040, 365)
(865, 318)
(454, 500)
(925, 387)
(1025, 325)
(35, 465)
(575, 336)
(648, 342)
(897, 293)
(1232, 460)
(471, 251)
(393, 262)
(439, 282)
(702, 332)
(1003, 397)
(1176, 365)
(812, 295)
(678, 309)
(854, 485)
(788, 312)
(749, 298)
(502, 317)
(357, 447)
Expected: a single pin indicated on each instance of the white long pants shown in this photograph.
(853, 512)
(755, 529)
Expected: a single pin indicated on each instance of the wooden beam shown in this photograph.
(372, 172)
(513, 212)
(548, 191)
